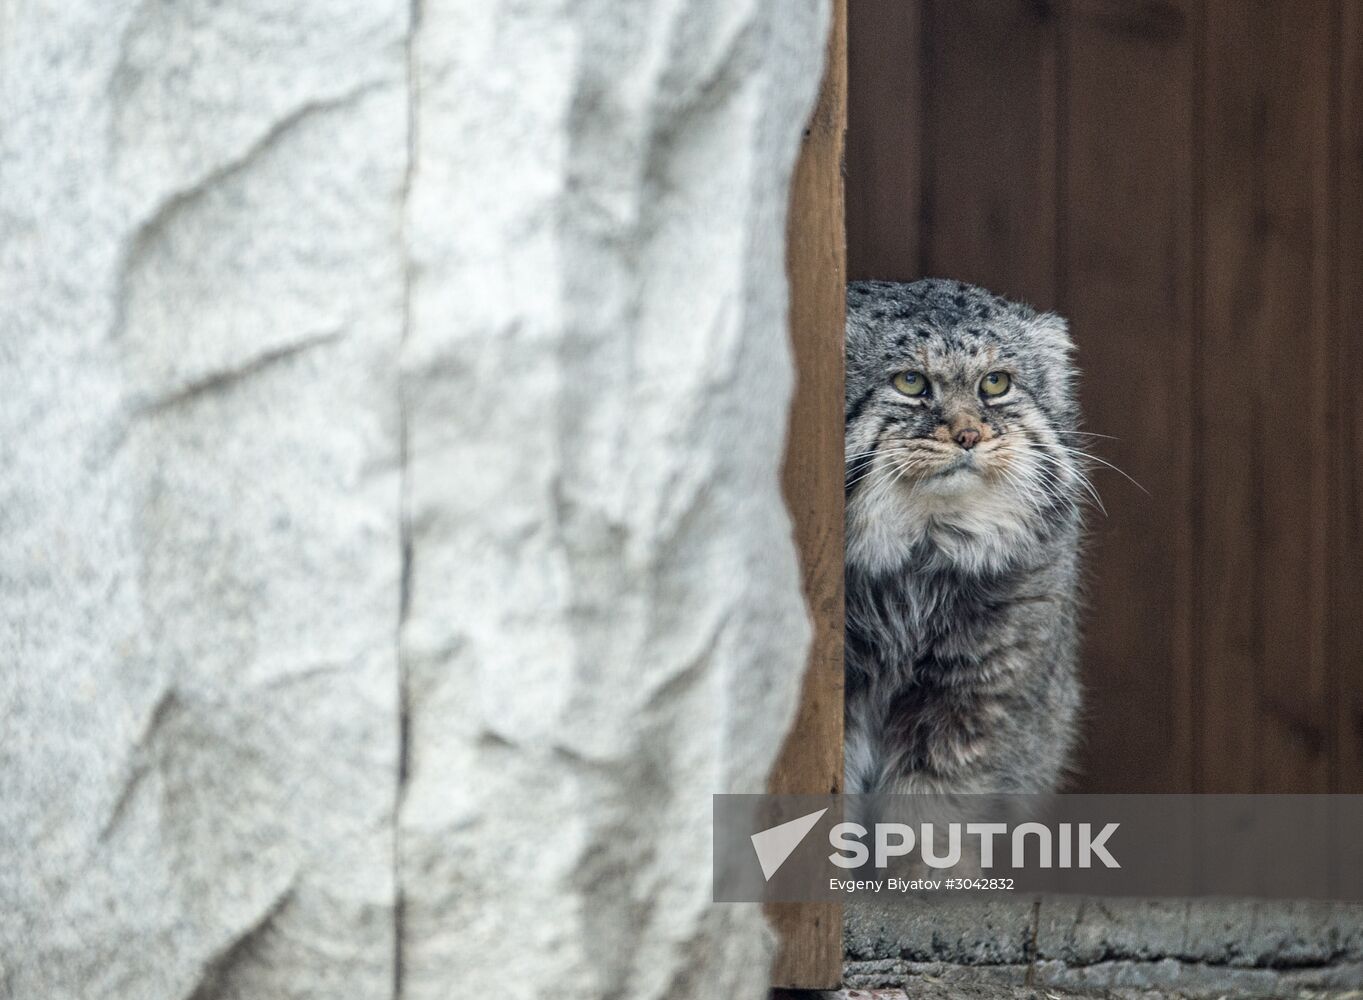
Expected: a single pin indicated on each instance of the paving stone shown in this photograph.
(948, 928)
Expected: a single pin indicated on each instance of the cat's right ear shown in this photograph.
(1053, 332)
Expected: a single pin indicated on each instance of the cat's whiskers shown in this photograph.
(872, 495)
(904, 447)
(1050, 478)
(873, 470)
(1102, 461)
(894, 452)
(879, 449)
(1075, 472)
(899, 468)
(918, 459)
(1041, 448)
(1034, 492)
(1049, 467)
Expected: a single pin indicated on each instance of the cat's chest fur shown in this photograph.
(920, 623)
(948, 677)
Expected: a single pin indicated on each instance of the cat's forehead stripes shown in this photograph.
(954, 315)
(920, 344)
(944, 360)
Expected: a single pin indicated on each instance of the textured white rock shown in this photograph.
(218, 484)
(604, 624)
(201, 300)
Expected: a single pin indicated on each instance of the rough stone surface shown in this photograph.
(200, 289)
(268, 380)
(1232, 932)
(993, 946)
(956, 983)
(602, 630)
(970, 930)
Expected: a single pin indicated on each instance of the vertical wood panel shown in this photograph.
(990, 184)
(1184, 179)
(884, 140)
(1348, 492)
(1128, 292)
(810, 954)
(1263, 421)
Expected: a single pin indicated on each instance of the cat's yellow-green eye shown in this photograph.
(995, 384)
(911, 383)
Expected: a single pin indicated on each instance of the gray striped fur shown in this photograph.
(962, 565)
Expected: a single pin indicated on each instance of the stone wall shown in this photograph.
(392, 558)
(1021, 946)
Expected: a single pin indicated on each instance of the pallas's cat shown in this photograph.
(965, 483)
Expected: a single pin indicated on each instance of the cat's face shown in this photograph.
(959, 410)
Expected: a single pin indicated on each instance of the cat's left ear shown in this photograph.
(1053, 332)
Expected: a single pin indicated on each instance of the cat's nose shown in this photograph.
(967, 438)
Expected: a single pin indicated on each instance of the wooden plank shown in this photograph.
(1126, 268)
(1347, 414)
(884, 141)
(810, 953)
(1266, 444)
(991, 181)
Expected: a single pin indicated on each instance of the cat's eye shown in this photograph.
(995, 384)
(911, 383)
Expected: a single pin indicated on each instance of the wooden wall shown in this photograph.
(810, 763)
(1183, 179)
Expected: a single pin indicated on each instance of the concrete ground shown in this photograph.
(1010, 947)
